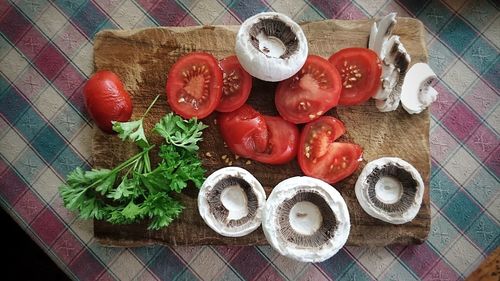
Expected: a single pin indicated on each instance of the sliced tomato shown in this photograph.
(194, 85)
(321, 157)
(360, 70)
(310, 93)
(237, 85)
(244, 131)
(267, 139)
(283, 141)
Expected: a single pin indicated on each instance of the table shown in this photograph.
(45, 132)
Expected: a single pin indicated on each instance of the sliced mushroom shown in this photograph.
(306, 219)
(271, 46)
(395, 60)
(417, 93)
(231, 202)
(382, 33)
(390, 189)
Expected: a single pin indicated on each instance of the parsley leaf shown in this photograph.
(180, 132)
(133, 191)
(132, 130)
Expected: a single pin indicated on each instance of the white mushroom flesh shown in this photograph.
(305, 219)
(241, 216)
(376, 188)
(263, 54)
(417, 93)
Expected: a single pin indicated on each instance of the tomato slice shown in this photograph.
(321, 157)
(283, 141)
(360, 70)
(194, 85)
(237, 85)
(244, 131)
(267, 139)
(310, 93)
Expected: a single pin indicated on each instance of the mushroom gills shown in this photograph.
(306, 219)
(231, 200)
(273, 38)
(270, 46)
(391, 188)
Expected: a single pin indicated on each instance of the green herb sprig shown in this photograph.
(134, 190)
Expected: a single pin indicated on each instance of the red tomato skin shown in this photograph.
(283, 141)
(290, 92)
(234, 101)
(369, 82)
(107, 100)
(320, 168)
(244, 131)
(175, 83)
(266, 139)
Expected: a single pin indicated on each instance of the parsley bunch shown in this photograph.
(133, 190)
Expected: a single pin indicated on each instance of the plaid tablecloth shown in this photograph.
(46, 55)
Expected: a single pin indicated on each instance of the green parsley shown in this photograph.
(133, 190)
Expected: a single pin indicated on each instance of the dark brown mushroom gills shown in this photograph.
(276, 38)
(408, 185)
(322, 235)
(220, 212)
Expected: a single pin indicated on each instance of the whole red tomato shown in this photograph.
(106, 100)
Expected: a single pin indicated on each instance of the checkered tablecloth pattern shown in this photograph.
(46, 55)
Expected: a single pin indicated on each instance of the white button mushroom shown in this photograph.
(390, 189)
(271, 46)
(231, 202)
(306, 219)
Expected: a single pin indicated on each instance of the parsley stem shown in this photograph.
(150, 106)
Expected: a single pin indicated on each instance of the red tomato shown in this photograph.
(310, 93)
(283, 142)
(360, 70)
(321, 157)
(244, 131)
(237, 85)
(194, 85)
(106, 100)
(266, 139)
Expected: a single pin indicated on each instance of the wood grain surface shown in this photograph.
(142, 59)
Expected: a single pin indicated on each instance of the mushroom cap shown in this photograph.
(286, 190)
(208, 216)
(362, 187)
(262, 66)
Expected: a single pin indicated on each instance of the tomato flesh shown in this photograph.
(236, 87)
(194, 85)
(267, 139)
(321, 157)
(310, 93)
(360, 70)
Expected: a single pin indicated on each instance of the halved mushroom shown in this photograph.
(306, 219)
(271, 46)
(390, 189)
(417, 93)
(231, 201)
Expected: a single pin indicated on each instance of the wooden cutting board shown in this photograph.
(142, 59)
